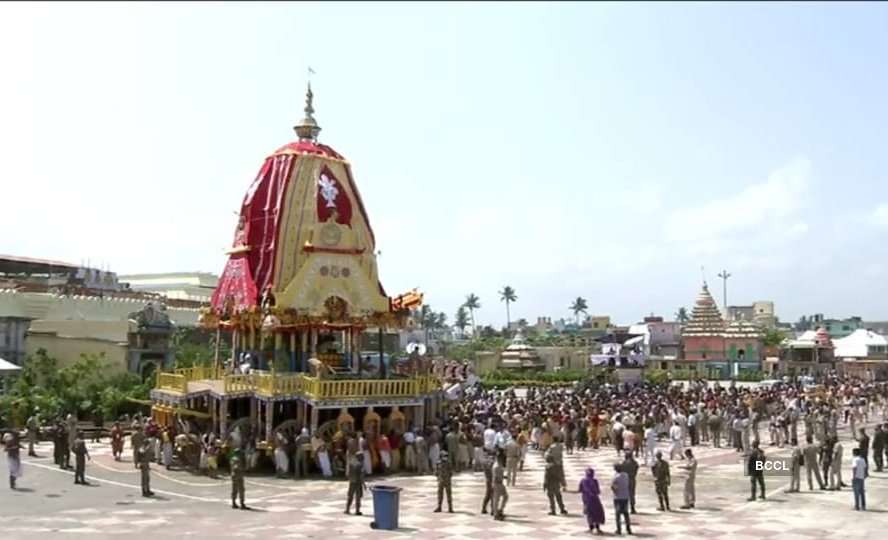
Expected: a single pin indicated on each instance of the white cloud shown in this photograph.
(879, 216)
(762, 215)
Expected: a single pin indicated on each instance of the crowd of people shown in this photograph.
(491, 433)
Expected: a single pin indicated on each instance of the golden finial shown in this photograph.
(308, 130)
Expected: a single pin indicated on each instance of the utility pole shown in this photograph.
(724, 275)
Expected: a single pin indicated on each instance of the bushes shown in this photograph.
(83, 388)
(541, 376)
(750, 375)
(656, 376)
(504, 378)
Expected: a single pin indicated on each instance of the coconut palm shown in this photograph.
(462, 319)
(472, 303)
(579, 306)
(508, 296)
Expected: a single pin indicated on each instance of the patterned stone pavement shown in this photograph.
(197, 507)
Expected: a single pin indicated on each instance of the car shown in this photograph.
(767, 383)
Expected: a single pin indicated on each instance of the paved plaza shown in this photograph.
(49, 504)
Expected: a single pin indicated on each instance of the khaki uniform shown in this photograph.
(552, 487)
(143, 457)
(690, 492)
(810, 454)
(488, 484)
(33, 431)
(795, 469)
(445, 475)
(500, 494)
(80, 455)
(513, 458)
(355, 484)
(630, 467)
(136, 441)
(238, 489)
(662, 480)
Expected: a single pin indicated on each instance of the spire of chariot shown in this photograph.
(309, 129)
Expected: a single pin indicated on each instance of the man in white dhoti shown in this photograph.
(650, 445)
(676, 438)
(281, 460)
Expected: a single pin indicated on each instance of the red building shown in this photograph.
(715, 348)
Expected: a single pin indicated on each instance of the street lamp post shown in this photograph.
(724, 275)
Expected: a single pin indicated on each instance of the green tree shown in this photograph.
(462, 319)
(579, 306)
(197, 347)
(472, 303)
(773, 337)
(508, 296)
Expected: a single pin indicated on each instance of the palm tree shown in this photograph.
(462, 319)
(508, 296)
(427, 319)
(682, 315)
(579, 306)
(472, 303)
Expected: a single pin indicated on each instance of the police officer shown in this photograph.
(33, 432)
(500, 494)
(552, 486)
(237, 480)
(64, 446)
(795, 469)
(136, 441)
(715, 427)
(355, 482)
(143, 459)
(445, 475)
(487, 465)
(630, 467)
(81, 454)
(662, 480)
(809, 455)
(880, 437)
(756, 471)
(690, 491)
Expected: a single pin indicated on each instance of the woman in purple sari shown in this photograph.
(591, 501)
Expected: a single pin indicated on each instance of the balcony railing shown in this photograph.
(239, 383)
(172, 381)
(200, 373)
(290, 384)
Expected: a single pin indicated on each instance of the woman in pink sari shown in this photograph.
(592, 507)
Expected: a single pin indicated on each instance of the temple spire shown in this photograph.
(308, 130)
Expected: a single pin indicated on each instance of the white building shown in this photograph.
(196, 286)
(863, 354)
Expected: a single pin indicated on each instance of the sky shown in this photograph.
(619, 152)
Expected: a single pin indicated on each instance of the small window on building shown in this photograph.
(664, 365)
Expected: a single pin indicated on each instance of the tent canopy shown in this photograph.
(8, 368)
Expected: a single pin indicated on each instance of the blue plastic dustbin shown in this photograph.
(386, 501)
